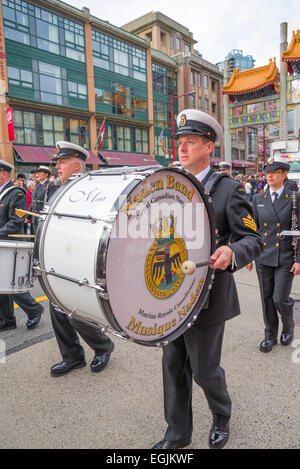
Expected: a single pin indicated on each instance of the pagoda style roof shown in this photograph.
(252, 79)
(293, 51)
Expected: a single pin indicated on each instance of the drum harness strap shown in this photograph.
(9, 189)
(209, 187)
(212, 181)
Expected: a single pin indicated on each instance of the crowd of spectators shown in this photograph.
(257, 183)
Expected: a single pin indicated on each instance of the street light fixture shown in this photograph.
(172, 101)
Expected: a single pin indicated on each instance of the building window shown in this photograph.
(193, 101)
(187, 49)
(164, 80)
(160, 114)
(126, 139)
(19, 77)
(171, 42)
(206, 104)
(199, 79)
(199, 102)
(242, 154)
(141, 141)
(46, 129)
(25, 127)
(213, 86)
(178, 43)
(205, 81)
(192, 78)
(235, 154)
(50, 83)
(36, 27)
(213, 108)
(52, 129)
(119, 57)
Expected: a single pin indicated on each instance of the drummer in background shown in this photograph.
(70, 159)
(43, 191)
(12, 198)
(225, 167)
(197, 353)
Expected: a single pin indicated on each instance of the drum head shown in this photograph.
(166, 220)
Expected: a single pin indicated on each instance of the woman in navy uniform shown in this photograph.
(11, 199)
(197, 353)
(278, 263)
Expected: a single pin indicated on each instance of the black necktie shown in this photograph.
(275, 200)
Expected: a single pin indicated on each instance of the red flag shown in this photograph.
(101, 133)
(10, 124)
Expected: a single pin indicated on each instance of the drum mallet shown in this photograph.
(21, 236)
(189, 267)
(20, 212)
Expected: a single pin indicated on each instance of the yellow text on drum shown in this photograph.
(185, 309)
(149, 188)
(139, 329)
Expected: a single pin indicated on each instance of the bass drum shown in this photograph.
(111, 246)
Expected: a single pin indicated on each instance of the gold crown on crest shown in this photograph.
(163, 229)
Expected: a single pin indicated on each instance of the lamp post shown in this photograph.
(172, 101)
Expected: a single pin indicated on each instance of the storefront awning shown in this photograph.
(35, 154)
(234, 163)
(128, 159)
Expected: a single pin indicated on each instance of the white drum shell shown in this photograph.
(70, 246)
(16, 267)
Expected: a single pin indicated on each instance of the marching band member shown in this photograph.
(197, 353)
(12, 198)
(70, 159)
(280, 260)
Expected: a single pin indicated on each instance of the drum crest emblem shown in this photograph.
(163, 273)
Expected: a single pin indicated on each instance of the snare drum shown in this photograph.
(16, 267)
(111, 246)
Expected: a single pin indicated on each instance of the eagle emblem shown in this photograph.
(163, 272)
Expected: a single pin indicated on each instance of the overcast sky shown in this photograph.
(218, 25)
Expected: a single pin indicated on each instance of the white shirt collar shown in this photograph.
(200, 176)
(3, 185)
(279, 192)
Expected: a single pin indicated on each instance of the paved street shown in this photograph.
(122, 407)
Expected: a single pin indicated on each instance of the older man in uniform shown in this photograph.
(11, 199)
(197, 352)
(70, 159)
(279, 262)
(225, 167)
(41, 194)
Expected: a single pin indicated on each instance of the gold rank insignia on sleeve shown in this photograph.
(19, 212)
(241, 189)
(249, 222)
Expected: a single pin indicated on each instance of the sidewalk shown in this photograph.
(122, 407)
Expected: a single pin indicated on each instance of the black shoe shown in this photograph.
(286, 339)
(165, 444)
(63, 368)
(100, 361)
(34, 322)
(267, 344)
(218, 436)
(7, 327)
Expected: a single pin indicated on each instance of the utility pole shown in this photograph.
(227, 135)
(283, 83)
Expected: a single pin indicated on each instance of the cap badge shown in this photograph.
(58, 148)
(271, 160)
(182, 122)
